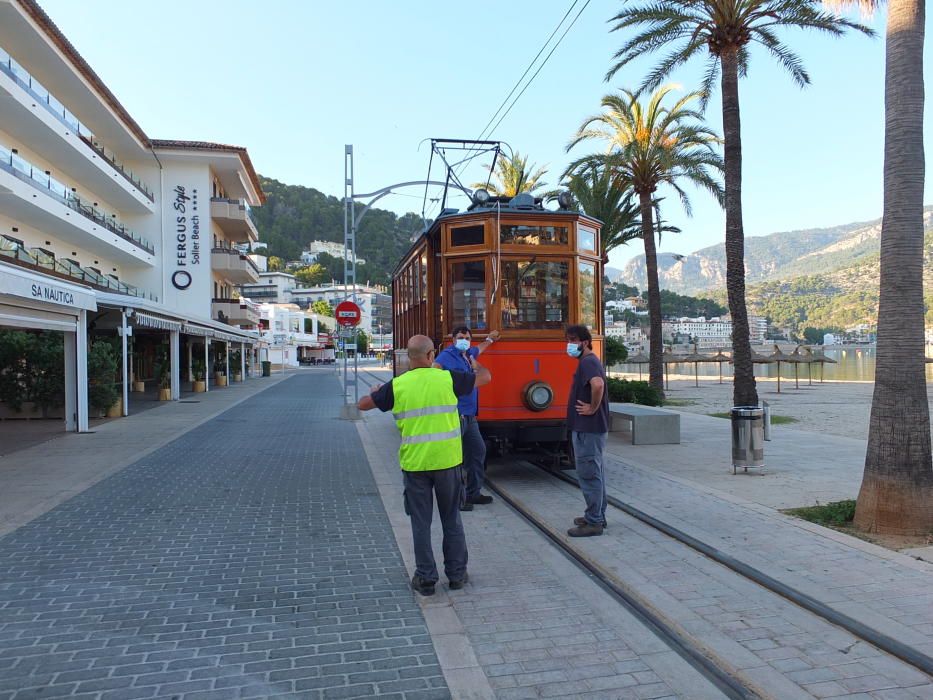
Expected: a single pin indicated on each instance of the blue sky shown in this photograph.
(294, 81)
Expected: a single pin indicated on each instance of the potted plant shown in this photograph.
(139, 385)
(164, 375)
(236, 364)
(220, 373)
(197, 371)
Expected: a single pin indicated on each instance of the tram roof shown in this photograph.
(523, 204)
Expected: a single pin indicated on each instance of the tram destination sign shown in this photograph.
(348, 314)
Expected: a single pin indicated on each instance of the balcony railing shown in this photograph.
(43, 261)
(42, 96)
(238, 203)
(25, 171)
(238, 254)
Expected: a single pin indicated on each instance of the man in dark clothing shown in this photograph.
(458, 357)
(588, 425)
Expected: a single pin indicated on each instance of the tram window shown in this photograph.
(467, 235)
(517, 234)
(586, 285)
(424, 278)
(534, 294)
(586, 238)
(468, 294)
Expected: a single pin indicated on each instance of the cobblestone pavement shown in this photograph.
(529, 620)
(251, 557)
(886, 590)
(772, 644)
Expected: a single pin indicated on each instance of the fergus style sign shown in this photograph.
(186, 240)
(187, 236)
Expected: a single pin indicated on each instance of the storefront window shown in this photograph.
(534, 294)
(468, 294)
(515, 234)
(586, 285)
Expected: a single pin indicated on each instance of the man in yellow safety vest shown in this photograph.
(423, 401)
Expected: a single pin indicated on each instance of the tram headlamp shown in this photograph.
(537, 396)
(480, 197)
(565, 200)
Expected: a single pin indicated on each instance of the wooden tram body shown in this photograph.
(529, 272)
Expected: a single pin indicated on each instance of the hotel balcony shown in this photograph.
(234, 266)
(34, 197)
(234, 312)
(234, 218)
(31, 114)
(13, 251)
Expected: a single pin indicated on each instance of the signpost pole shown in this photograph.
(350, 410)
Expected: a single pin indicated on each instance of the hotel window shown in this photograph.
(534, 294)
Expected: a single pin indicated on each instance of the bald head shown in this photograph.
(420, 348)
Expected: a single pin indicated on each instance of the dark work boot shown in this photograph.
(587, 530)
(480, 499)
(457, 584)
(582, 521)
(421, 586)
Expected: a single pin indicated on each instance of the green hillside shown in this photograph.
(293, 216)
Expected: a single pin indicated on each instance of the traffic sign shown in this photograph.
(348, 314)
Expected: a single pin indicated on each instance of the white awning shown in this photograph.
(149, 321)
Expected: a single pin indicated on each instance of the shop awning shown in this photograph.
(150, 321)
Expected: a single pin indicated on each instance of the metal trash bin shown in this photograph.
(748, 436)
(266, 368)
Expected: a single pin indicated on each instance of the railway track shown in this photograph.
(729, 679)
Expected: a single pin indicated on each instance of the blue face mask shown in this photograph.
(574, 350)
(462, 344)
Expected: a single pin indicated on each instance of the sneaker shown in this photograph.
(587, 530)
(457, 584)
(421, 586)
(466, 505)
(583, 521)
(481, 500)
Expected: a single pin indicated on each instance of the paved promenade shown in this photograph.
(250, 557)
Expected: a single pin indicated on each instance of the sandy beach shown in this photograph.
(836, 408)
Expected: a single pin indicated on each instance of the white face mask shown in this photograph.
(574, 349)
(462, 344)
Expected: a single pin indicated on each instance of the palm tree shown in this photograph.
(896, 496)
(514, 176)
(724, 31)
(649, 145)
(600, 193)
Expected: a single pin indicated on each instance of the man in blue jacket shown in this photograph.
(457, 357)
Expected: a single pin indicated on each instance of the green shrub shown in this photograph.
(625, 391)
(837, 513)
(101, 375)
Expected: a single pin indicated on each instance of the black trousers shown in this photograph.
(420, 490)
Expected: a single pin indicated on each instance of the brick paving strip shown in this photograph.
(783, 650)
(38, 478)
(529, 624)
(250, 557)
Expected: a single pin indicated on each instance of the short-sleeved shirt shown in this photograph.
(452, 359)
(589, 366)
(384, 398)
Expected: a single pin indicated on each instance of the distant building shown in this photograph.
(272, 288)
(294, 336)
(758, 329)
(829, 339)
(617, 330)
(374, 302)
(706, 333)
(315, 248)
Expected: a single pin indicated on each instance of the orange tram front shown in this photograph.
(511, 265)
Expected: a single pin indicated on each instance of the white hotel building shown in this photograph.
(104, 229)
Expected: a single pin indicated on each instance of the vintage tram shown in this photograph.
(513, 265)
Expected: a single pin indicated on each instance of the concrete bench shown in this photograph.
(650, 425)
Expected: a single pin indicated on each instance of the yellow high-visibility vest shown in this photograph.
(425, 411)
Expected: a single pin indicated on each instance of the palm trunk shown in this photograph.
(744, 391)
(897, 488)
(655, 346)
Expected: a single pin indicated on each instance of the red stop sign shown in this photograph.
(347, 313)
